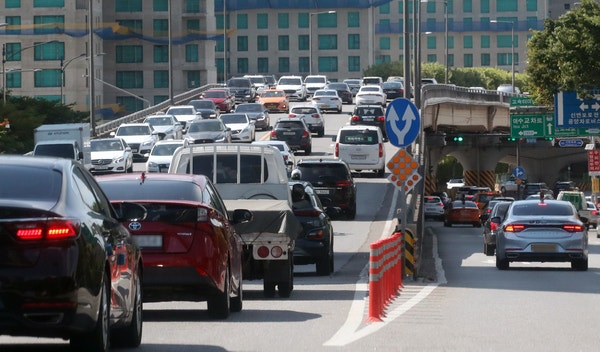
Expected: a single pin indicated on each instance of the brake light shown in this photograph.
(494, 226)
(292, 115)
(316, 116)
(316, 98)
(336, 151)
(355, 118)
(380, 118)
(273, 134)
(308, 213)
(47, 229)
(342, 183)
(594, 212)
(573, 228)
(305, 134)
(514, 228)
(381, 150)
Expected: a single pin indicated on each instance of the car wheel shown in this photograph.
(351, 214)
(502, 264)
(488, 250)
(323, 265)
(97, 339)
(269, 289)
(237, 301)
(219, 304)
(381, 172)
(308, 150)
(131, 335)
(339, 111)
(321, 132)
(579, 264)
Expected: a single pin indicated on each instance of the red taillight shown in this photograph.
(355, 118)
(273, 134)
(494, 226)
(316, 116)
(342, 183)
(514, 228)
(292, 115)
(305, 134)
(263, 251)
(316, 98)
(381, 150)
(441, 204)
(308, 213)
(50, 230)
(336, 150)
(380, 118)
(573, 228)
(594, 212)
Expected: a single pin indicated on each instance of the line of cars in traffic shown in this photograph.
(536, 229)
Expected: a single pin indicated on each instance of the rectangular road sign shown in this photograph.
(532, 125)
(521, 101)
(571, 111)
(576, 132)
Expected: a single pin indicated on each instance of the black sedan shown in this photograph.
(343, 91)
(393, 90)
(294, 132)
(315, 243)
(68, 268)
(258, 113)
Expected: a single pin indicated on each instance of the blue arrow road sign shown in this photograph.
(402, 122)
(518, 172)
(573, 112)
(575, 143)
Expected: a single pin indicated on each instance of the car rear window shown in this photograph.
(539, 208)
(368, 111)
(152, 190)
(304, 111)
(320, 172)
(227, 168)
(289, 124)
(22, 182)
(433, 200)
(365, 136)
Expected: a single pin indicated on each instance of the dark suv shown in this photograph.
(295, 132)
(332, 182)
(242, 88)
(371, 115)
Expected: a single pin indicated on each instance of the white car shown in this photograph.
(242, 127)
(293, 86)
(141, 137)
(314, 83)
(167, 124)
(371, 94)
(327, 99)
(111, 155)
(288, 156)
(433, 207)
(312, 116)
(160, 156)
(455, 183)
(184, 113)
(361, 147)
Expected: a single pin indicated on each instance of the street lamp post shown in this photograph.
(8, 57)
(512, 44)
(63, 67)
(446, 38)
(310, 51)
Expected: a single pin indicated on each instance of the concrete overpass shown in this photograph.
(482, 119)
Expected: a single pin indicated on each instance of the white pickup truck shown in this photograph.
(252, 177)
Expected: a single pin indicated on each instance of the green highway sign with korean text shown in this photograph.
(521, 101)
(531, 125)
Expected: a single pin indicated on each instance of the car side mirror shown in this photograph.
(241, 216)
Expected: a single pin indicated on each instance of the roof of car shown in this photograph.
(359, 127)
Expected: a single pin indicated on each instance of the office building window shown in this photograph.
(431, 7)
(467, 6)
(503, 59)
(382, 58)
(531, 5)
(12, 4)
(160, 27)
(160, 98)
(161, 79)
(432, 58)
(128, 6)
(450, 42)
(303, 20)
(484, 6)
(161, 53)
(384, 43)
(485, 41)
(130, 79)
(242, 21)
(193, 79)
(262, 43)
(468, 42)
(283, 42)
(485, 60)
(354, 63)
(134, 25)
(327, 20)
(450, 60)
(468, 24)
(283, 20)
(13, 79)
(468, 59)
(160, 6)
(193, 25)
(219, 46)
(13, 51)
(131, 104)
(192, 6)
(48, 3)
(262, 20)
(41, 21)
(450, 5)
(431, 42)
(129, 53)
(328, 64)
(262, 64)
(532, 22)
(49, 51)
(507, 5)
(328, 42)
(384, 9)
(192, 53)
(353, 41)
(242, 43)
(13, 21)
(242, 65)
(303, 42)
(506, 41)
(283, 64)
(303, 64)
(47, 78)
(353, 19)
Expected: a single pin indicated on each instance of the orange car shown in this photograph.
(462, 212)
(275, 100)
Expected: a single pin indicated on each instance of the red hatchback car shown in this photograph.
(222, 98)
(190, 249)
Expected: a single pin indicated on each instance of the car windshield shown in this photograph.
(365, 136)
(338, 86)
(328, 173)
(290, 81)
(102, 145)
(165, 149)
(203, 104)
(24, 182)
(133, 131)
(465, 204)
(273, 94)
(330, 93)
(370, 89)
(243, 83)
(557, 208)
(234, 118)
(152, 190)
(304, 110)
(249, 108)
(368, 111)
(159, 121)
(215, 94)
(181, 111)
(259, 80)
(205, 125)
(314, 80)
(290, 124)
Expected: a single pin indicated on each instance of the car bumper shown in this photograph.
(176, 283)
(514, 248)
(100, 167)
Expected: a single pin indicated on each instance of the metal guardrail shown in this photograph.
(138, 116)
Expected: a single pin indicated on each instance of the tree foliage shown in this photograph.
(564, 56)
(25, 114)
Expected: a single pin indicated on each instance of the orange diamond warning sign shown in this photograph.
(404, 170)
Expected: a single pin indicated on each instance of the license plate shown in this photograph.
(543, 248)
(358, 157)
(368, 118)
(101, 167)
(325, 105)
(289, 133)
(133, 150)
(322, 191)
(148, 241)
